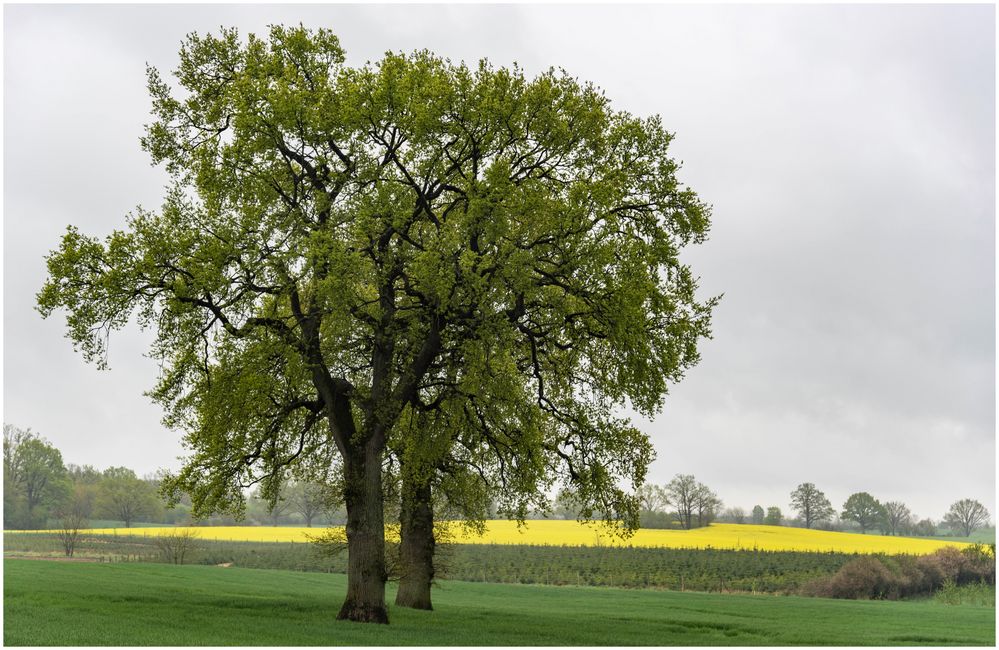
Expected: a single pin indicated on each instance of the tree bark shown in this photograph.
(366, 575)
(416, 551)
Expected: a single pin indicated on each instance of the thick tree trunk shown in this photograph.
(416, 552)
(366, 573)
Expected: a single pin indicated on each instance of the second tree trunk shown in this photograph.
(416, 551)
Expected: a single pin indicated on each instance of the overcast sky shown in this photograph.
(848, 153)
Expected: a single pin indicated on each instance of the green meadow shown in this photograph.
(62, 603)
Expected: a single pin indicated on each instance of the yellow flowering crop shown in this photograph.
(571, 533)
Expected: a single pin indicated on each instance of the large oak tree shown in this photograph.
(347, 251)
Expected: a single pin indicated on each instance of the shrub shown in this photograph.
(953, 564)
(972, 564)
(175, 546)
(981, 565)
(901, 576)
(908, 579)
(864, 577)
(979, 594)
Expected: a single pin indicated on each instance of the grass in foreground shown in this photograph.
(572, 533)
(51, 603)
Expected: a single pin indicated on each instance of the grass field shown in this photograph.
(981, 536)
(52, 603)
(572, 533)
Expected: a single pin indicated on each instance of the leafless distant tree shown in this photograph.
(652, 497)
(307, 499)
(706, 505)
(692, 499)
(897, 517)
(735, 515)
(175, 546)
(966, 515)
(278, 510)
(682, 494)
(72, 518)
(925, 528)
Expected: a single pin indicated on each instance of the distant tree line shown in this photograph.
(41, 491)
(686, 503)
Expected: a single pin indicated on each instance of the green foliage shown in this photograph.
(121, 495)
(312, 500)
(35, 480)
(978, 594)
(924, 528)
(865, 510)
(774, 516)
(49, 603)
(811, 504)
(344, 247)
(659, 520)
(759, 516)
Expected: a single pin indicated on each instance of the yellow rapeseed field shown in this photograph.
(571, 533)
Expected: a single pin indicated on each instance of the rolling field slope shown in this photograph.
(53, 603)
(571, 533)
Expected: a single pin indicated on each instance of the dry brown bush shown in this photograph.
(874, 577)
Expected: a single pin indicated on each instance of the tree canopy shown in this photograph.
(864, 509)
(35, 479)
(898, 517)
(811, 504)
(123, 496)
(690, 499)
(345, 248)
(966, 516)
